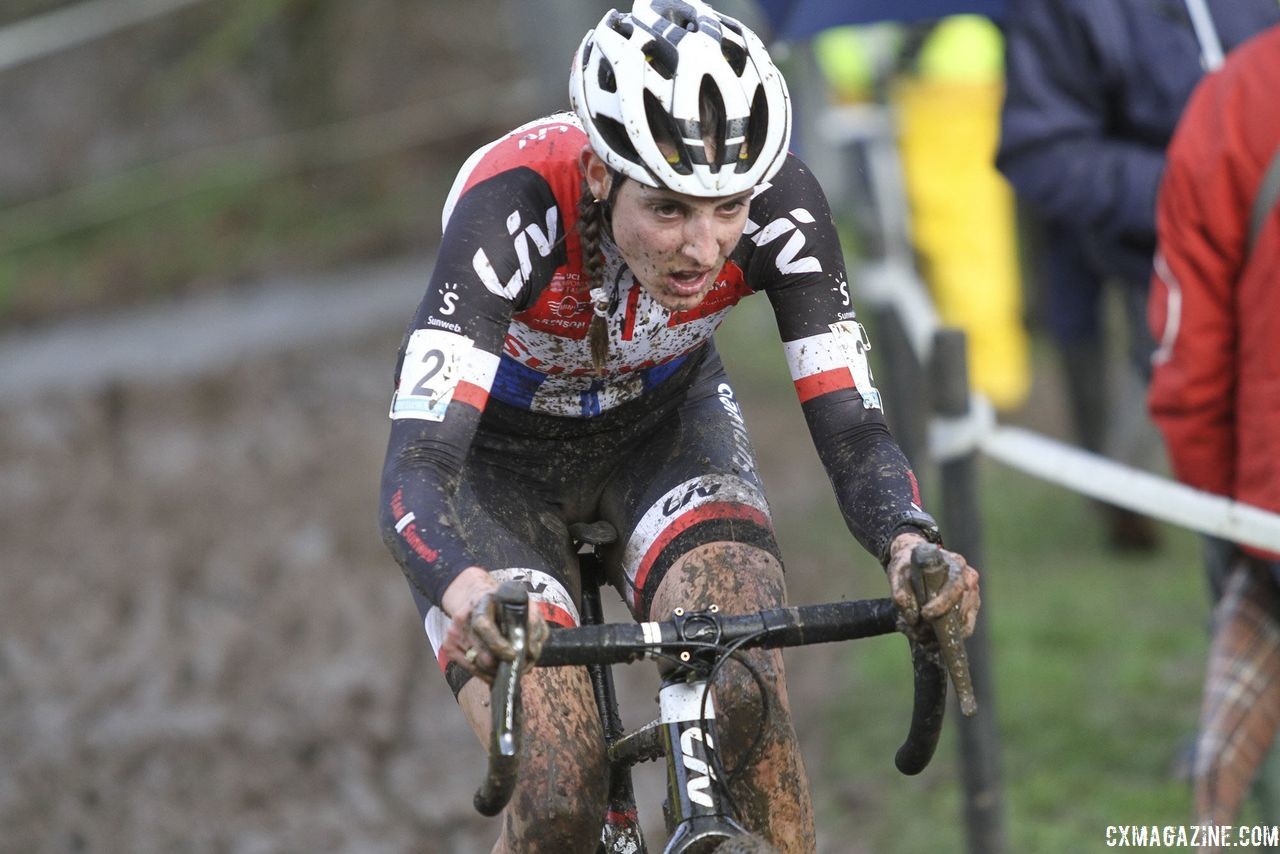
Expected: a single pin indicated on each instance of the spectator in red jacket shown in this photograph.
(1215, 394)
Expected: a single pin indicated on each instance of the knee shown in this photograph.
(745, 702)
(736, 577)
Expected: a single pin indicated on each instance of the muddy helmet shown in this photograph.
(680, 73)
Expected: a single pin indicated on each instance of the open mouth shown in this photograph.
(687, 283)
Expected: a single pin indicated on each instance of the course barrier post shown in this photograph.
(962, 527)
(904, 385)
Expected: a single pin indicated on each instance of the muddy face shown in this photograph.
(674, 244)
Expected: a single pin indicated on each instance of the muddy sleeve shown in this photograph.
(795, 257)
(446, 366)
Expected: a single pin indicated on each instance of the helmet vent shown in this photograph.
(662, 57)
(621, 24)
(679, 13)
(734, 55)
(615, 137)
(669, 138)
(757, 130)
(711, 107)
(608, 82)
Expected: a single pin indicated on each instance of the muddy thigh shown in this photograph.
(559, 801)
(772, 792)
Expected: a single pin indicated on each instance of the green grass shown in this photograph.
(1097, 663)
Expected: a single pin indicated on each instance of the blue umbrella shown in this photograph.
(795, 19)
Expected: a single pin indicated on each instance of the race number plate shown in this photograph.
(430, 374)
(853, 341)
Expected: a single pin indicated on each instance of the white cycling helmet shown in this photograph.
(643, 76)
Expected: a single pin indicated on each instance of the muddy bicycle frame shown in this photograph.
(698, 810)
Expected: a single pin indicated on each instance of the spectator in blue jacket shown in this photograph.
(1094, 91)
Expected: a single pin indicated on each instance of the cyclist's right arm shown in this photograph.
(445, 369)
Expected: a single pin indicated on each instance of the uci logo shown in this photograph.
(543, 240)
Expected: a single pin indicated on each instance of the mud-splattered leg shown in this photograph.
(559, 801)
(772, 793)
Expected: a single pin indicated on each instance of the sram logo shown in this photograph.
(700, 773)
(787, 259)
(544, 240)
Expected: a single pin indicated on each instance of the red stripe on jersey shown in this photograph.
(915, 488)
(816, 385)
(716, 510)
(633, 301)
(472, 395)
(556, 615)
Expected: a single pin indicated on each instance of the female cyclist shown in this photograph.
(561, 369)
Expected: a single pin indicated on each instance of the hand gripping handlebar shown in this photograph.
(504, 737)
(621, 643)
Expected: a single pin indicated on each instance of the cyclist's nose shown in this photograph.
(701, 245)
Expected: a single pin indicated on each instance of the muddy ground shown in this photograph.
(204, 645)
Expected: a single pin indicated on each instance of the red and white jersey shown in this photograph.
(511, 257)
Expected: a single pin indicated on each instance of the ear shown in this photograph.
(595, 171)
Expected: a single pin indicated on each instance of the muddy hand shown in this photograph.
(898, 570)
(957, 592)
(942, 583)
(484, 623)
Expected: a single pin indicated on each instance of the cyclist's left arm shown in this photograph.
(794, 255)
(792, 251)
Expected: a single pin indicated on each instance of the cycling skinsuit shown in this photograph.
(503, 434)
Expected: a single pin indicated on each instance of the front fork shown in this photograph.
(696, 810)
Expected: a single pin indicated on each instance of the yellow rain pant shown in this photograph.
(963, 225)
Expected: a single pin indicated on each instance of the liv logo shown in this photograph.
(787, 259)
(676, 502)
(543, 241)
(700, 773)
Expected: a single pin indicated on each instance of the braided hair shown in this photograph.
(592, 222)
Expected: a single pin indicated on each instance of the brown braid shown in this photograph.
(590, 224)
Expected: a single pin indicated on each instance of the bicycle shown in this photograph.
(699, 810)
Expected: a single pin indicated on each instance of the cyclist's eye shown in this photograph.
(666, 210)
(732, 208)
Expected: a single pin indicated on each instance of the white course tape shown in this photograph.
(1107, 480)
(954, 437)
(895, 283)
